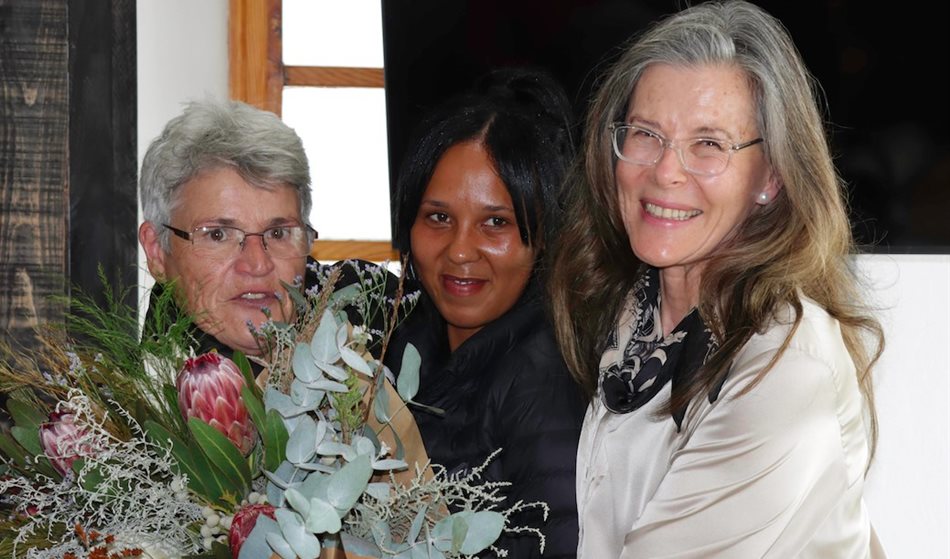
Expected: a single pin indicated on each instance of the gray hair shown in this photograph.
(209, 134)
(742, 35)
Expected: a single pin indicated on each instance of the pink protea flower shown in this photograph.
(209, 388)
(62, 441)
(244, 521)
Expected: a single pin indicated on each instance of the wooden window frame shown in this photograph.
(257, 75)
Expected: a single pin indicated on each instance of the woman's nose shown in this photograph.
(463, 246)
(253, 258)
(669, 168)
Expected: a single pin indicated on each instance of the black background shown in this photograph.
(884, 71)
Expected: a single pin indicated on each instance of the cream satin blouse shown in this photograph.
(776, 472)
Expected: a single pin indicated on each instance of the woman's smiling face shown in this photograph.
(466, 246)
(675, 219)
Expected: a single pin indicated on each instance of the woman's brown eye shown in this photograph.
(217, 234)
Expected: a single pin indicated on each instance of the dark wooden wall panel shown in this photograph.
(67, 157)
(102, 144)
(33, 164)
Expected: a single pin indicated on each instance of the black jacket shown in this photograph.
(507, 388)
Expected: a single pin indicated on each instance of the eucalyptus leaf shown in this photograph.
(484, 527)
(399, 453)
(297, 501)
(449, 533)
(255, 546)
(359, 546)
(323, 346)
(381, 405)
(300, 301)
(285, 406)
(355, 361)
(379, 491)
(429, 551)
(292, 528)
(323, 518)
(342, 334)
(317, 467)
(288, 473)
(322, 428)
(347, 293)
(382, 535)
(389, 464)
(368, 433)
(315, 486)
(459, 531)
(333, 448)
(301, 446)
(304, 367)
(304, 395)
(280, 546)
(364, 445)
(346, 486)
(329, 386)
(407, 384)
(285, 477)
(333, 371)
(416, 527)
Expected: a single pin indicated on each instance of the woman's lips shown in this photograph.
(666, 213)
(462, 287)
(255, 299)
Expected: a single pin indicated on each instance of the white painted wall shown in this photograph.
(182, 50)
(182, 55)
(908, 488)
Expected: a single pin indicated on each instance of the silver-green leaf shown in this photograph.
(323, 518)
(346, 486)
(407, 384)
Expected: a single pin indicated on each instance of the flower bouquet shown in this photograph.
(131, 446)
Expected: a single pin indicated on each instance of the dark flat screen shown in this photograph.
(884, 71)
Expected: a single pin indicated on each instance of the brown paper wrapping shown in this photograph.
(405, 426)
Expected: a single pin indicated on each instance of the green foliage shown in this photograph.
(117, 359)
(191, 462)
(227, 464)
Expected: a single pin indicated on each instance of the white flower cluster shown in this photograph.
(126, 489)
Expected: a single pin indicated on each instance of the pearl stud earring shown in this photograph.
(763, 197)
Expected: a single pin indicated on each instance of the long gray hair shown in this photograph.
(799, 244)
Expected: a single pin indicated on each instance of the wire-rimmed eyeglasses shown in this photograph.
(699, 156)
(223, 241)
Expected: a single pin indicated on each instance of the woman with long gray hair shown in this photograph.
(704, 295)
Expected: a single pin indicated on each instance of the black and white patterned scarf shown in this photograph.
(639, 360)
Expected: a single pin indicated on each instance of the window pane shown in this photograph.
(333, 33)
(344, 133)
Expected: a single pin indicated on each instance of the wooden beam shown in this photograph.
(329, 76)
(255, 67)
(375, 251)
